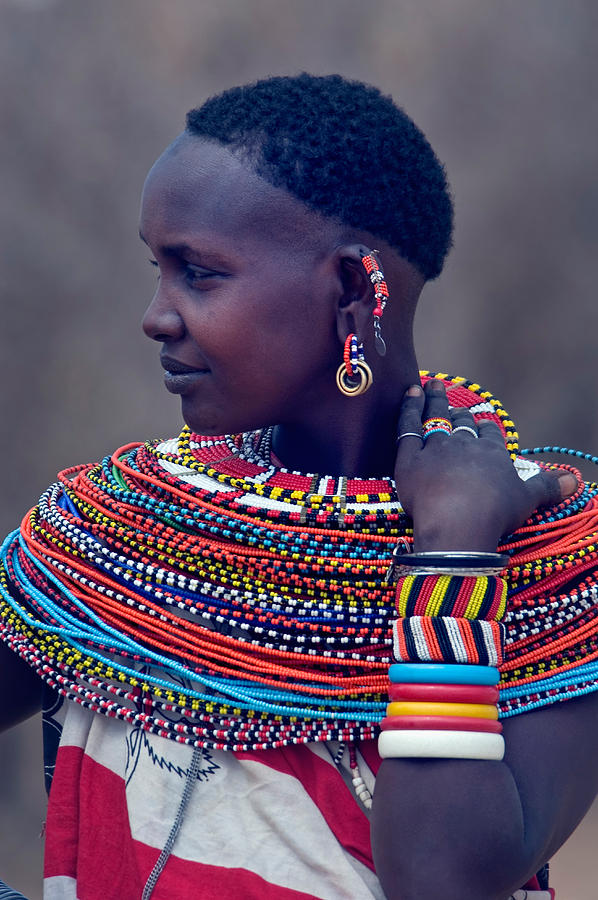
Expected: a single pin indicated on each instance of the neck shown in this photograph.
(356, 441)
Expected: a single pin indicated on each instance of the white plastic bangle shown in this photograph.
(441, 744)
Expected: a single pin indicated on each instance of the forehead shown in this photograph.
(199, 187)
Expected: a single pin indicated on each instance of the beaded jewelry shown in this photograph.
(448, 639)
(351, 354)
(471, 431)
(446, 618)
(359, 785)
(354, 376)
(376, 276)
(196, 590)
(480, 597)
(435, 425)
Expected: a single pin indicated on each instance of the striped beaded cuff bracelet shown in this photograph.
(448, 618)
(466, 597)
(447, 639)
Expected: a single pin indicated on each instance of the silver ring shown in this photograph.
(465, 428)
(410, 434)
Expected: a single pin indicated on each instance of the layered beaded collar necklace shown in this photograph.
(197, 590)
(255, 446)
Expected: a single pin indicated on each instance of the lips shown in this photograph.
(176, 367)
(178, 376)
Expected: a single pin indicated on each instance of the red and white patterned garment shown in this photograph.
(274, 825)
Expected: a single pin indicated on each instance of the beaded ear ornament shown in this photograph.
(353, 376)
(376, 276)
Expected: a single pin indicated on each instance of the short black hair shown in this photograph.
(346, 151)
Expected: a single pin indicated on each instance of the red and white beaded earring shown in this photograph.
(376, 276)
(354, 376)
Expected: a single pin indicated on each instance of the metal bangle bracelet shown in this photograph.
(401, 571)
(456, 562)
(476, 559)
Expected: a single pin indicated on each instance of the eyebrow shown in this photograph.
(173, 249)
(183, 249)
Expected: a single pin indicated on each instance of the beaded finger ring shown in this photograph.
(353, 376)
(436, 424)
(376, 276)
(465, 428)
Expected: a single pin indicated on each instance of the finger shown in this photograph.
(490, 431)
(410, 421)
(460, 415)
(435, 407)
(550, 487)
(463, 423)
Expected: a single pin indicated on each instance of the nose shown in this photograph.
(162, 321)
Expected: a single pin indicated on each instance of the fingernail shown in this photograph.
(414, 391)
(567, 483)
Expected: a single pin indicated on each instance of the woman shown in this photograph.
(219, 619)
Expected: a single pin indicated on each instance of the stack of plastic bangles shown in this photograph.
(442, 710)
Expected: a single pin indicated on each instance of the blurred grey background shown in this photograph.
(90, 94)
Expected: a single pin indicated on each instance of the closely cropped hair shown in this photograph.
(345, 150)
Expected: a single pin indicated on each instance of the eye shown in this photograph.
(197, 277)
(153, 263)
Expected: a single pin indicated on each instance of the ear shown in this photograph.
(356, 302)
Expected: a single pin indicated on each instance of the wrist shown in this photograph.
(443, 539)
(456, 527)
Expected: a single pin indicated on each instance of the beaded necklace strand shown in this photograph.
(197, 590)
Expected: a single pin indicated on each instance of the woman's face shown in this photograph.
(245, 302)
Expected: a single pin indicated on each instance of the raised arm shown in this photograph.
(462, 828)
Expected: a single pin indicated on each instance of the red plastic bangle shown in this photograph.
(440, 723)
(448, 693)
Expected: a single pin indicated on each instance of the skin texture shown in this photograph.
(263, 292)
(255, 298)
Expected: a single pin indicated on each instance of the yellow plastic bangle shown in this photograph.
(423, 708)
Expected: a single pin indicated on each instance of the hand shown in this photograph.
(462, 491)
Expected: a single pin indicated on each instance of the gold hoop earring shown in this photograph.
(354, 376)
(356, 384)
